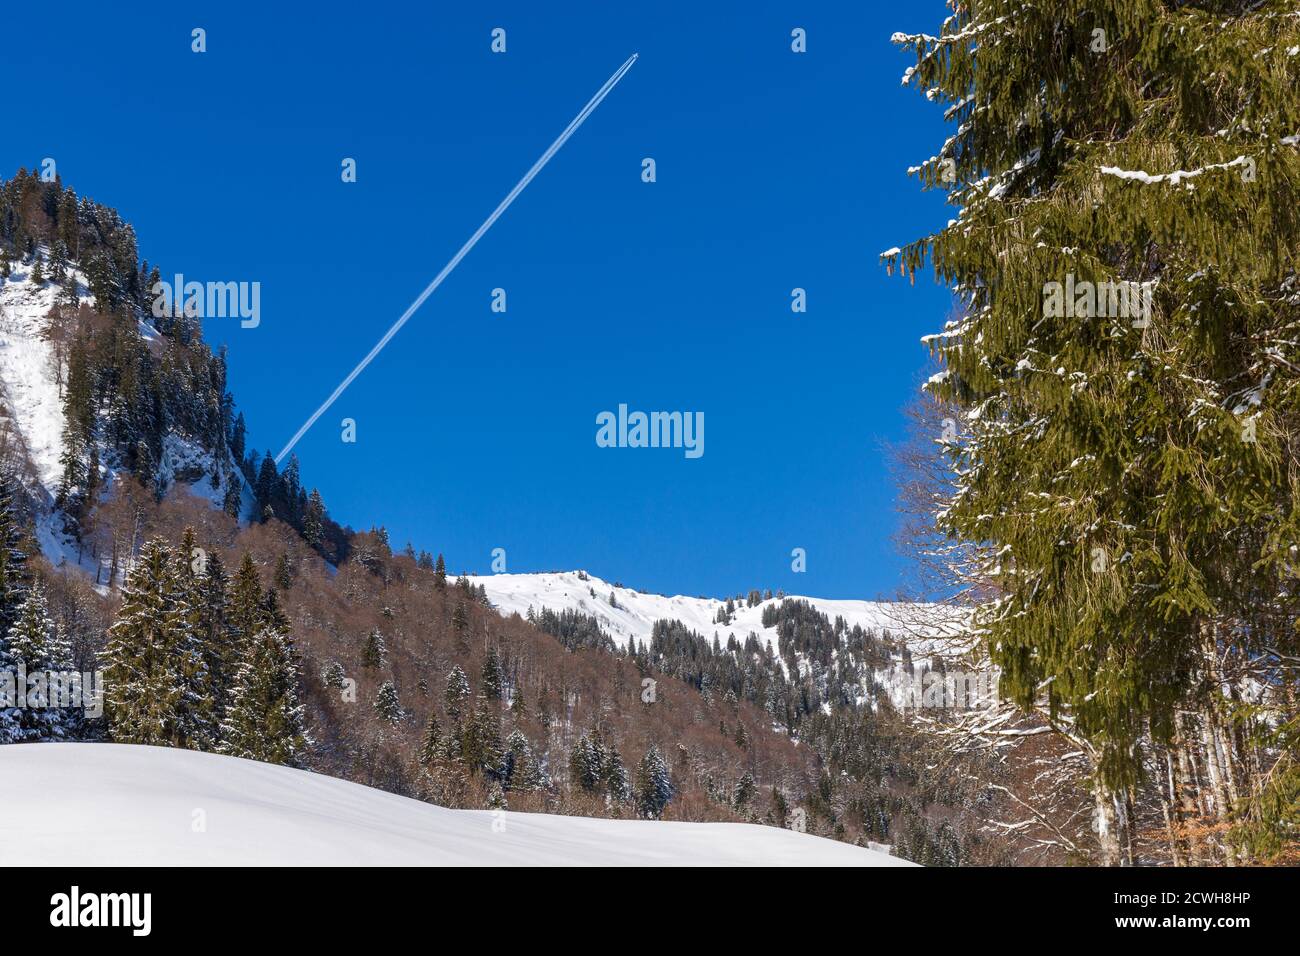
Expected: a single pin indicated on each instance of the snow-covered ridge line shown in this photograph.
(634, 613)
(122, 805)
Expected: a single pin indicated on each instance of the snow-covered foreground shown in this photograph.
(113, 804)
(636, 611)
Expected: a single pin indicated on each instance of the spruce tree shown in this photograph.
(265, 720)
(490, 680)
(313, 526)
(653, 785)
(31, 639)
(387, 704)
(617, 784)
(431, 744)
(456, 693)
(14, 575)
(522, 774)
(35, 642)
(373, 650)
(1125, 466)
(245, 612)
(156, 685)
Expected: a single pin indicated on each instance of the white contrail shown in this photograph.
(464, 250)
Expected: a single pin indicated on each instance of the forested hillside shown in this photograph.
(229, 613)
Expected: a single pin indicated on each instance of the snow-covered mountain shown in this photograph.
(114, 804)
(632, 613)
(30, 393)
(31, 410)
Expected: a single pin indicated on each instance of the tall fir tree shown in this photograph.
(265, 720)
(654, 787)
(1125, 467)
(157, 688)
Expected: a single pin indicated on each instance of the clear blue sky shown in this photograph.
(477, 430)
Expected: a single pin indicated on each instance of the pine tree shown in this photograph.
(440, 574)
(333, 675)
(1124, 473)
(746, 789)
(485, 752)
(490, 680)
(245, 613)
(156, 686)
(31, 639)
(587, 763)
(653, 785)
(313, 526)
(232, 503)
(265, 720)
(221, 655)
(617, 784)
(43, 650)
(456, 693)
(431, 745)
(283, 575)
(387, 704)
(522, 774)
(373, 650)
(14, 575)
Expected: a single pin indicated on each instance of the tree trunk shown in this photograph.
(1111, 826)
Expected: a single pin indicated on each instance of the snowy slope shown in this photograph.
(113, 804)
(29, 393)
(27, 374)
(637, 612)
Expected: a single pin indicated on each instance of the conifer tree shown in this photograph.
(313, 526)
(587, 763)
(490, 680)
(431, 744)
(617, 784)
(484, 751)
(373, 650)
(387, 704)
(245, 613)
(31, 639)
(653, 785)
(333, 675)
(36, 643)
(522, 774)
(456, 694)
(1125, 256)
(14, 575)
(156, 686)
(265, 720)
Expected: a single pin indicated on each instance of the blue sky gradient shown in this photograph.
(477, 430)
